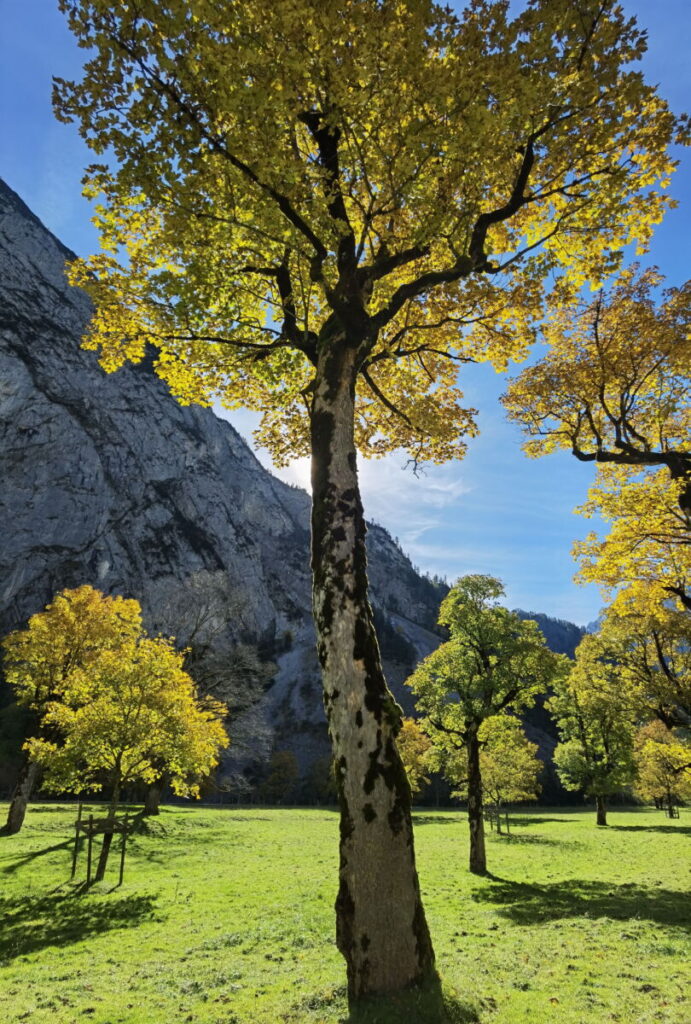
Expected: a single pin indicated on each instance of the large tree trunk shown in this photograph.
(601, 810)
(478, 860)
(380, 922)
(152, 800)
(107, 835)
(28, 776)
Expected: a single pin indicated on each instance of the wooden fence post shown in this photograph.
(75, 852)
(88, 854)
(122, 848)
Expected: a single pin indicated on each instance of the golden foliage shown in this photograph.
(414, 747)
(287, 172)
(663, 762)
(615, 389)
(128, 717)
(70, 634)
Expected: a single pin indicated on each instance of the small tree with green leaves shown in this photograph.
(493, 662)
(509, 763)
(132, 713)
(595, 753)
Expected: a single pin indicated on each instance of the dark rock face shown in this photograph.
(107, 480)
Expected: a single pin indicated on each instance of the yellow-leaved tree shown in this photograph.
(663, 764)
(509, 763)
(318, 210)
(615, 389)
(130, 715)
(414, 747)
(71, 633)
(648, 653)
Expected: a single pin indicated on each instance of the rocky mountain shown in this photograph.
(107, 480)
(562, 637)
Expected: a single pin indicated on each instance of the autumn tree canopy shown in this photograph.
(614, 388)
(644, 659)
(285, 169)
(415, 748)
(71, 633)
(130, 716)
(133, 712)
(508, 761)
(663, 765)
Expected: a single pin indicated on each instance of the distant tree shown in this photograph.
(663, 766)
(132, 713)
(493, 662)
(316, 210)
(71, 633)
(595, 753)
(283, 771)
(414, 747)
(320, 784)
(509, 763)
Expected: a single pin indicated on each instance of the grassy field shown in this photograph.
(226, 917)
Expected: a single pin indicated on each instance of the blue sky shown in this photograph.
(495, 512)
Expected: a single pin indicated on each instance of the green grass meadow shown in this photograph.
(226, 917)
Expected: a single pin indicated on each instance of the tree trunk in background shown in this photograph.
(28, 776)
(107, 836)
(152, 801)
(380, 922)
(478, 860)
(601, 810)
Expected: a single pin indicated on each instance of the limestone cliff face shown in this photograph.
(107, 480)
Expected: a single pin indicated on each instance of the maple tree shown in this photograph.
(615, 389)
(70, 633)
(509, 763)
(493, 662)
(663, 766)
(318, 211)
(645, 558)
(648, 654)
(129, 715)
(414, 747)
(596, 727)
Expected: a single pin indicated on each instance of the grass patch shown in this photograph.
(226, 917)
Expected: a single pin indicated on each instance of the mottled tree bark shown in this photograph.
(478, 860)
(380, 923)
(601, 810)
(28, 776)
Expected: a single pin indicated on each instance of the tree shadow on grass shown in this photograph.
(518, 838)
(529, 819)
(31, 923)
(533, 904)
(684, 830)
(441, 819)
(26, 858)
(429, 1005)
(432, 1004)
